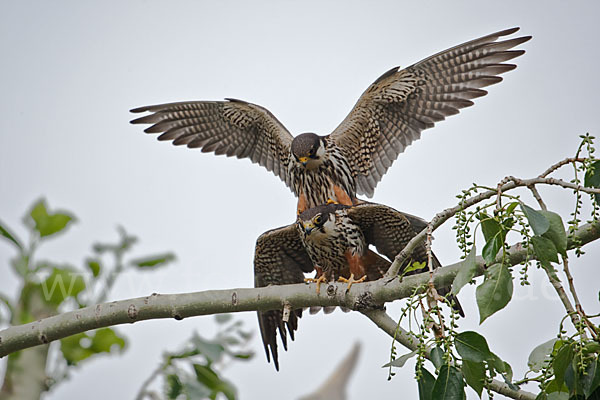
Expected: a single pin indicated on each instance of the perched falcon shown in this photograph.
(335, 238)
(387, 118)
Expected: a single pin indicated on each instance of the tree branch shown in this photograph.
(387, 324)
(440, 218)
(361, 297)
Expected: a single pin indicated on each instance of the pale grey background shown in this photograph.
(71, 70)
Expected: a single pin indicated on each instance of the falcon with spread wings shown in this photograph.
(335, 239)
(387, 118)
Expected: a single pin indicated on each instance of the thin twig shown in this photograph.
(537, 197)
(448, 213)
(578, 306)
(560, 164)
(560, 291)
(574, 313)
(144, 388)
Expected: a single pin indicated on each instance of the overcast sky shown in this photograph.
(71, 70)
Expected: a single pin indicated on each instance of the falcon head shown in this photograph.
(318, 221)
(308, 150)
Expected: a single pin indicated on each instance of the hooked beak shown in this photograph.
(308, 228)
(303, 160)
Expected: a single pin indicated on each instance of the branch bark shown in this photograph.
(361, 297)
(508, 183)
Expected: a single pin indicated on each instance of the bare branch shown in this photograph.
(559, 164)
(537, 196)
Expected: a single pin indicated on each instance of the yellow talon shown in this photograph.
(329, 201)
(318, 281)
(351, 281)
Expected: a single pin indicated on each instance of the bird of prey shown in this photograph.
(334, 238)
(387, 118)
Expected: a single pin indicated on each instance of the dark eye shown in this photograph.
(318, 219)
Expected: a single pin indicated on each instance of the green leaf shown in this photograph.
(595, 395)
(542, 396)
(223, 318)
(495, 292)
(474, 373)
(212, 351)
(6, 233)
(571, 379)
(173, 386)
(449, 384)
(437, 357)
(244, 356)
(195, 390)
(104, 339)
(497, 364)
(591, 380)
(508, 375)
(558, 396)
(9, 306)
(154, 261)
(20, 264)
(539, 223)
(561, 361)
(466, 272)
(425, 384)
(94, 266)
(591, 347)
(492, 247)
(400, 361)
(540, 355)
(472, 346)
(511, 207)
(553, 386)
(556, 232)
(209, 378)
(592, 177)
(62, 283)
(415, 266)
(545, 251)
(48, 224)
(489, 226)
(78, 347)
(74, 350)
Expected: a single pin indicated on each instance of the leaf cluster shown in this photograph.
(195, 372)
(49, 286)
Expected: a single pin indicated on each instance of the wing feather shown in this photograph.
(279, 259)
(390, 231)
(386, 229)
(393, 111)
(231, 128)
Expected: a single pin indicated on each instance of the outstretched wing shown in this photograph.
(393, 111)
(232, 127)
(279, 259)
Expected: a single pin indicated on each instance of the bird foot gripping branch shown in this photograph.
(351, 281)
(318, 281)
